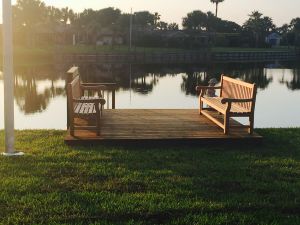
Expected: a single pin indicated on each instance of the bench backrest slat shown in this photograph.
(232, 88)
(73, 91)
(75, 88)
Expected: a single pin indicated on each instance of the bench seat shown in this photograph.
(87, 108)
(216, 103)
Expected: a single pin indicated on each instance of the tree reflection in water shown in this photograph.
(192, 79)
(145, 77)
(294, 83)
(256, 74)
(32, 94)
(249, 72)
(35, 86)
(139, 78)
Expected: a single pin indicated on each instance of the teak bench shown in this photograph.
(84, 106)
(236, 99)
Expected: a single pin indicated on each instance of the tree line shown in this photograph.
(30, 14)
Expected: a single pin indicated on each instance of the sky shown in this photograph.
(281, 11)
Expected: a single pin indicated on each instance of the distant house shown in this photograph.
(109, 37)
(175, 34)
(273, 39)
(201, 38)
(173, 38)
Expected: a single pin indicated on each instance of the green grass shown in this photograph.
(121, 49)
(111, 184)
(91, 49)
(116, 49)
(124, 49)
(229, 49)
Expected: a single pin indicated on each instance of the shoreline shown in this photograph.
(88, 54)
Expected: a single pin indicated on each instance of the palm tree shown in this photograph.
(216, 2)
(156, 19)
(67, 15)
(260, 26)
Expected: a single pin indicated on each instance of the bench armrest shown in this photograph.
(233, 100)
(200, 88)
(92, 100)
(95, 84)
(93, 88)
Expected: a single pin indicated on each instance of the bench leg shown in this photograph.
(72, 127)
(251, 124)
(98, 123)
(200, 106)
(98, 127)
(72, 130)
(226, 124)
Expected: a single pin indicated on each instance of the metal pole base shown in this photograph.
(13, 153)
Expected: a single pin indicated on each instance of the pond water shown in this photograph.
(40, 99)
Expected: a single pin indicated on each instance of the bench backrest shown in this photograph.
(73, 90)
(233, 88)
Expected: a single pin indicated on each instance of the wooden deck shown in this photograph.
(183, 125)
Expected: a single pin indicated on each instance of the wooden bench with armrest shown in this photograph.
(84, 106)
(236, 99)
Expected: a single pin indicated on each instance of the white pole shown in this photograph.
(8, 78)
(130, 31)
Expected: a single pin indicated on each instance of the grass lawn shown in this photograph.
(124, 49)
(57, 184)
(87, 49)
(121, 49)
(228, 49)
(116, 49)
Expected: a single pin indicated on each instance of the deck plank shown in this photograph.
(157, 124)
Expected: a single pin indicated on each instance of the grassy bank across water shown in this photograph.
(49, 54)
(58, 184)
(121, 49)
(229, 49)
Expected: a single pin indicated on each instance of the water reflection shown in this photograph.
(30, 99)
(37, 87)
(294, 83)
(143, 78)
(191, 79)
(256, 75)
(32, 94)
